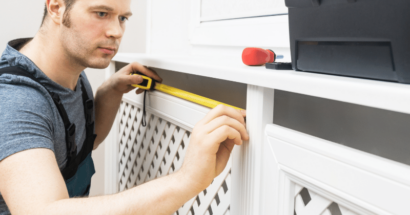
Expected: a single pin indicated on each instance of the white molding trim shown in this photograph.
(357, 180)
(271, 202)
(285, 190)
(269, 31)
(111, 146)
(247, 171)
(327, 193)
(372, 163)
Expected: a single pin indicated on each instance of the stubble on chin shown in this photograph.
(84, 54)
(98, 60)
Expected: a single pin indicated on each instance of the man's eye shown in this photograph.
(102, 14)
(123, 18)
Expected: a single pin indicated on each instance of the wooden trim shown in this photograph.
(286, 190)
(247, 159)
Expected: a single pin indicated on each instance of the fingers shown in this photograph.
(139, 91)
(223, 133)
(222, 156)
(136, 67)
(124, 77)
(226, 120)
(221, 110)
(130, 79)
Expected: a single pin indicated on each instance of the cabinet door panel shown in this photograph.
(317, 177)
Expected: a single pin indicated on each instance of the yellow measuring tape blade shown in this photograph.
(190, 96)
(180, 93)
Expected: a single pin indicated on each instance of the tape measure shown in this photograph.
(148, 84)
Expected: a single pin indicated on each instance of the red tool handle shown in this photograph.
(257, 56)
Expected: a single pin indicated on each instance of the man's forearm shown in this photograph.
(107, 102)
(161, 196)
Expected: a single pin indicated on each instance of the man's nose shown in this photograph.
(115, 30)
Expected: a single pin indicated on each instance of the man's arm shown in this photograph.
(31, 182)
(109, 95)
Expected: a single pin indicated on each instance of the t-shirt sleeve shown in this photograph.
(25, 120)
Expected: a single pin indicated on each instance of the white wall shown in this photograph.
(22, 18)
(19, 18)
(96, 78)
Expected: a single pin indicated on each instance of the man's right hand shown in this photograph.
(211, 144)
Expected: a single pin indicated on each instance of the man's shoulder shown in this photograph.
(26, 119)
(17, 92)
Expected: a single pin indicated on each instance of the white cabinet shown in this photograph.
(279, 171)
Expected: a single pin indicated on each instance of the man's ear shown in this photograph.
(56, 10)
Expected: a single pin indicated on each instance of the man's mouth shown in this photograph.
(107, 50)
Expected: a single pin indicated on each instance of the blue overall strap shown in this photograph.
(79, 171)
(71, 167)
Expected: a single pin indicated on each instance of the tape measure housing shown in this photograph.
(146, 83)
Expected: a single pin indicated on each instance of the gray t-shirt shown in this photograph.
(28, 116)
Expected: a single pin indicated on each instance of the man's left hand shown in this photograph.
(122, 81)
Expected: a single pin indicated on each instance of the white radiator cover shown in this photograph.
(150, 152)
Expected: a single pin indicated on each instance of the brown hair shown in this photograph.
(66, 16)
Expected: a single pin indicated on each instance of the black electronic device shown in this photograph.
(279, 66)
(358, 38)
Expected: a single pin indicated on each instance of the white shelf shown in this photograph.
(378, 94)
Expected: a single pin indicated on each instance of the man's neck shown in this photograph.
(47, 53)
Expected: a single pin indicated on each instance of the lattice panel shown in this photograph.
(310, 203)
(158, 149)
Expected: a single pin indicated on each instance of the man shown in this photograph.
(46, 119)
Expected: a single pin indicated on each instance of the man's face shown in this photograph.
(95, 31)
